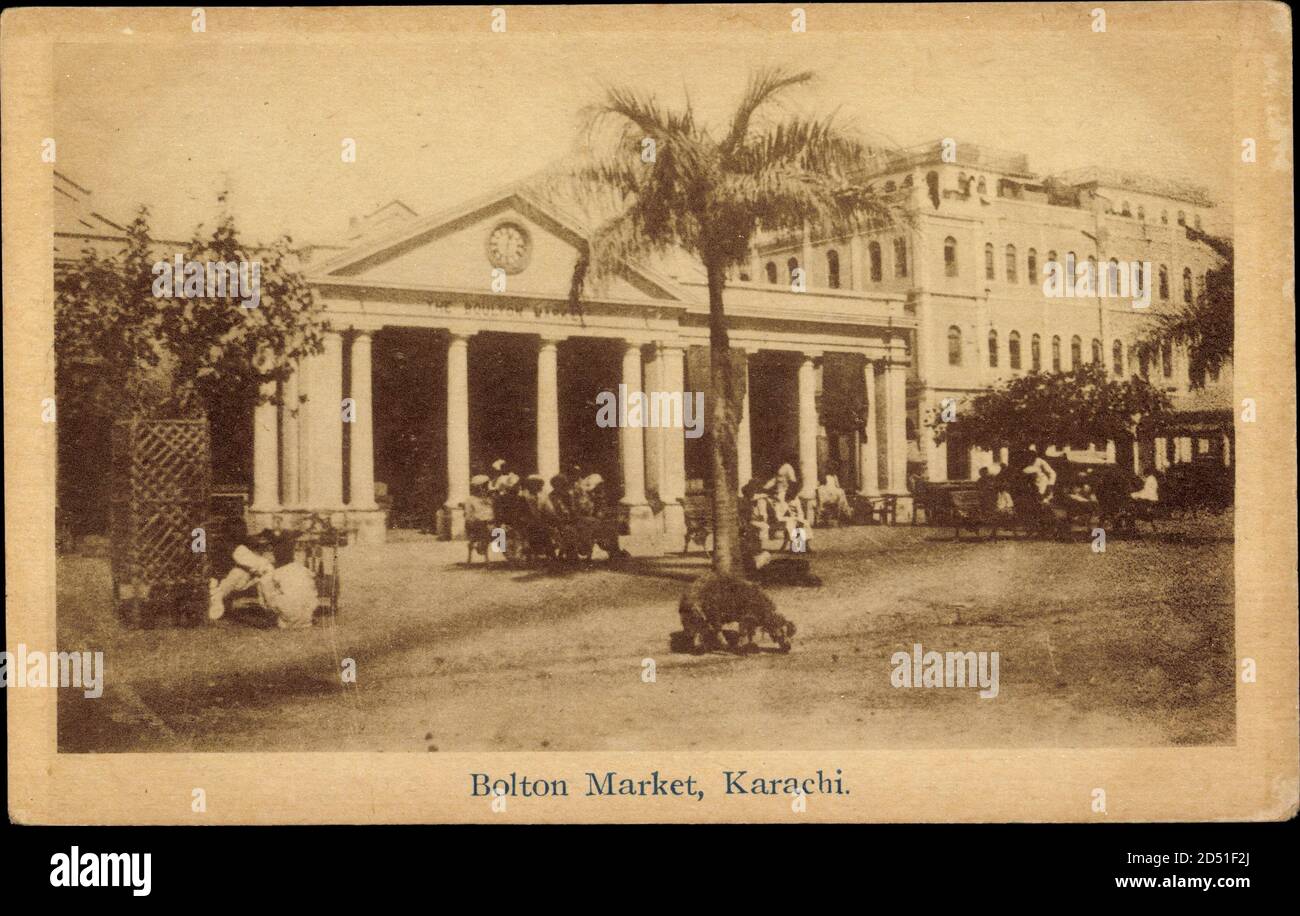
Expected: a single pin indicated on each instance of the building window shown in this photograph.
(1070, 263)
(954, 346)
(1124, 209)
(1144, 364)
(890, 187)
(950, 257)
(873, 255)
(1196, 221)
(981, 188)
(791, 266)
(1096, 351)
(1031, 266)
(1182, 218)
(1142, 213)
(833, 269)
(1187, 285)
(1056, 354)
(1011, 263)
(770, 268)
(1093, 276)
(988, 261)
(1164, 217)
(1167, 359)
(1112, 277)
(744, 276)
(993, 349)
(1164, 282)
(1117, 357)
(1036, 353)
(1013, 350)
(900, 257)
(1076, 352)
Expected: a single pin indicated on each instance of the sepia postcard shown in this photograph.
(627, 414)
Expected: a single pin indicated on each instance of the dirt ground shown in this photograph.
(1129, 647)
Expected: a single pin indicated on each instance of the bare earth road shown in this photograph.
(1132, 646)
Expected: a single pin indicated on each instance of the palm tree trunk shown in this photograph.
(724, 411)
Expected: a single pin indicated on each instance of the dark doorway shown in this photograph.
(410, 397)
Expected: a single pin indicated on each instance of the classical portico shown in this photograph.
(501, 266)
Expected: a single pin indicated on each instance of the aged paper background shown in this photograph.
(1255, 779)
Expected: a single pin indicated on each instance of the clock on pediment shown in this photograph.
(509, 247)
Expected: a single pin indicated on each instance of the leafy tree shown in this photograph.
(119, 347)
(122, 351)
(673, 184)
(1059, 408)
(1205, 327)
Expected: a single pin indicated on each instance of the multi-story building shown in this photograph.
(970, 255)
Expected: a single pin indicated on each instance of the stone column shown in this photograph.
(633, 451)
(266, 477)
(807, 427)
(457, 434)
(307, 398)
(868, 458)
(892, 397)
(327, 426)
(654, 435)
(744, 444)
(362, 467)
(672, 482)
(548, 408)
(289, 440)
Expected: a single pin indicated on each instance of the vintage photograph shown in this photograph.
(649, 388)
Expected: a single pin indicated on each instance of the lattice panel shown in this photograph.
(161, 485)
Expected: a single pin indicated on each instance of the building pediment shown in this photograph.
(510, 236)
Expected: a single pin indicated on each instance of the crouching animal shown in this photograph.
(714, 600)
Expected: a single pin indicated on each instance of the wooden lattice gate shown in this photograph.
(162, 477)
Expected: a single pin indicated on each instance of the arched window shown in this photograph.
(1167, 359)
(744, 276)
(988, 261)
(1036, 353)
(1182, 218)
(1013, 349)
(1142, 213)
(770, 268)
(1117, 357)
(1096, 351)
(900, 257)
(873, 255)
(1196, 221)
(950, 257)
(1187, 285)
(980, 187)
(1056, 354)
(1076, 352)
(993, 349)
(907, 182)
(1011, 263)
(1112, 277)
(1032, 266)
(1164, 282)
(1124, 209)
(1071, 265)
(1164, 216)
(833, 269)
(791, 266)
(954, 346)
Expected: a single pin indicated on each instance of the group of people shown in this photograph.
(772, 508)
(531, 517)
(1028, 486)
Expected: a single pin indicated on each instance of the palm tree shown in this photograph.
(674, 184)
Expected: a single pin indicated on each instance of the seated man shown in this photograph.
(787, 511)
(479, 517)
(832, 502)
(288, 591)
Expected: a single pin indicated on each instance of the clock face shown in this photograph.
(508, 247)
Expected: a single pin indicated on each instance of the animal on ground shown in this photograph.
(715, 600)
